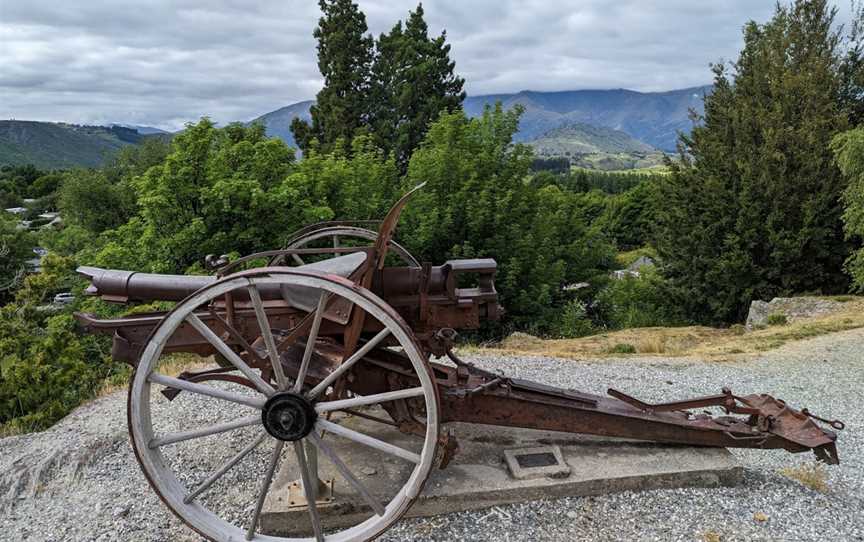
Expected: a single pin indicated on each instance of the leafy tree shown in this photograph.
(849, 149)
(133, 160)
(341, 185)
(16, 247)
(477, 204)
(88, 199)
(751, 209)
(16, 183)
(413, 81)
(217, 191)
(345, 55)
(46, 185)
(46, 367)
(629, 217)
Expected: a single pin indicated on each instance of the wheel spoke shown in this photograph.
(229, 354)
(267, 333)
(237, 336)
(369, 399)
(308, 479)
(204, 431)
(265, 488)
(335, 245)
(346, 473)
(298, 259)
(355, 357)
(171, 382)
(310, 341)
(366, 440)
(224, 468)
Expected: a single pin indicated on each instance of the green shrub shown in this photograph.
(777, 319)
(477, 204)
(46, 367)
(623, 348)
(575, 321)
(638, 302)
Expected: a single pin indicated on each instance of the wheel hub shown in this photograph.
(288, 416)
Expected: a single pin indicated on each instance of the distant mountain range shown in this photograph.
(57, 145)
(626, 125)
(654, 118)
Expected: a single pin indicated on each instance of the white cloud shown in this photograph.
(162, 63)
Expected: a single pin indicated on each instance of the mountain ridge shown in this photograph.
(652, 118)
(655, 118)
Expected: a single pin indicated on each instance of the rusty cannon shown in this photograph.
(292, 352)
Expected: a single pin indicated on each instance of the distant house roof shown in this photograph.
(58, 221)
(641, 261)
(29, 200)
(632, 270)
(49, 215)
(16, 210)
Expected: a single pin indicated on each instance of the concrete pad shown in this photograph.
(478, 476)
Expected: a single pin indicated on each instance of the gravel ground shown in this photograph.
(80, 481)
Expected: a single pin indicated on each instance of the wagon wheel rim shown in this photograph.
(184, 498)
(337, 234)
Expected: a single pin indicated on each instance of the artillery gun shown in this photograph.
(306, 351)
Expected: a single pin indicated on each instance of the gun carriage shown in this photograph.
(303, 350)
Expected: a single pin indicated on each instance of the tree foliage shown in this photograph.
(849, 149)
(345, 54)
(218, 190)
(391, 89)
(412, 82)
(46, 367)
(16, 247)
(752, 207)
(477, 203)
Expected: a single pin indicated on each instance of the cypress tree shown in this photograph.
(752, 207)
(345, 55)
(413, 81)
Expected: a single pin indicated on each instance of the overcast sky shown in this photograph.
(162, 63)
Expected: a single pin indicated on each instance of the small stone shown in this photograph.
(572, 515)
(120, 511)
(368, 471)
(760, 516)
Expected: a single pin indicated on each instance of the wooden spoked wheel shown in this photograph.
(336, 236)
(215, 467)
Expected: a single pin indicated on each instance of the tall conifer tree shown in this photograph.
(413, 81)
(752, 207)
(345, 54)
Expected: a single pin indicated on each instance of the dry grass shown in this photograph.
(812, 475)
(10, 430)
(711, 536)
(693, 340)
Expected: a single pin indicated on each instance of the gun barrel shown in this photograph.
(121, 286)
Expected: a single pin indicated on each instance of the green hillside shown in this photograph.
(49, 145)
(596, 147)
(580, 138)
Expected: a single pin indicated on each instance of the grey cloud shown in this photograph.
(163, 63)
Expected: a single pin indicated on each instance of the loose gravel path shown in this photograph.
(79, 480)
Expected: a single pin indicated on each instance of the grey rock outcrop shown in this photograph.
(793, 308)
